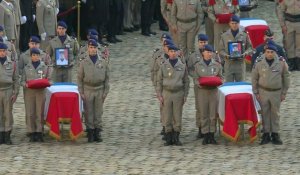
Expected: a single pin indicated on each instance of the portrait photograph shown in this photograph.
(235, 50)
(61, 56)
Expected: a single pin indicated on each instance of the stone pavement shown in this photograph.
(132, 144)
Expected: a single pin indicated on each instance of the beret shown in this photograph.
(92, 43)
(208, 48)
(62, 24)
(34, 39)
(35, 51)
(3, 46)
(202, 37)
(235, 18)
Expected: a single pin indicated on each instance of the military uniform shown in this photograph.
(25, 59)
(9, 90)
(289, 18)
(166, 7)
(186, 18)
(46, 20)
(209, 24)
(11, 51)
(207, 96)
(172, 86)
(35, 98)
(63, 74)
(7, 19)
(234, 68)
(93, 85)
(215, 11)
(270, 83)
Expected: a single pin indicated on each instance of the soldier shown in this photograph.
(166, 7)
(19, 20)
(234, 66)
(159, 56)
(209, 24)
(27, 11)
(9, 83)
(147, 12)
(269, 39)
(191, 61)
(7, 19)
(289, 19)
(62, 73)
(93, 85)
(46, 11)
(172, 91)
(219, 11)
(25, 58)
(206, 95)
(127, 21)
(186, 19)
(270, 83)
(11, 50)
(35, 98)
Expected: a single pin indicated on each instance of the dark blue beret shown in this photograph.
(166, 36)
(202, 37)
(271, 47)
(3, 46)
(235, 18)
(34, 39)
(35, 51)
(270, 41)
(208, 48)
(172, 47)
(1, 28)
(62, 24)
(93, 42)
(168, 42)
(93, 32)
(94, 37)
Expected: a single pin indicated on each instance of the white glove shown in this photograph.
(43, 36)
(57, 11)
(23, 19)
(4, 38)
(84, 1)
(33, 18)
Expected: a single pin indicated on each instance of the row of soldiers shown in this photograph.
(170, 69)
(184, 19)
(92, 77)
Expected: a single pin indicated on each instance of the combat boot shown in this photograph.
(39, 136)
(297, 63)
(163, 131)
(7, 138)
(176, 139)
(31, 137)
(97, 135)
(2, 137)
(212, 138)
(276, 139)
(205, 140)
(265, 139)
(90, 135)
(292, 64)
(168, 139)
(200, 135)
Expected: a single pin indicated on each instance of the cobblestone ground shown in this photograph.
(132, 144)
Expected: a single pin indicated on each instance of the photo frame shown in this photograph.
(235, 50)
(61, 56)
(244, 3)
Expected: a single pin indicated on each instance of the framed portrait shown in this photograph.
(62, 56)
(235, 50)
(244, 3)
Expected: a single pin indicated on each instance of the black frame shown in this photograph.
(240, 50)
